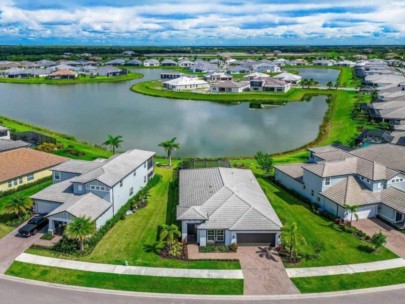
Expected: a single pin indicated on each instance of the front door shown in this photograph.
(191, 233)
(398, 217)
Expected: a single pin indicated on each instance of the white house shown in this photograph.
(151, 63)
(288, 77)
(230, 86)
(4, 133)
(185, 83)
(255, 75)
(96, 189)
(225, 206)
(267, 84)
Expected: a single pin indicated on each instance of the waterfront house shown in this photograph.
(4, 132)
(204, 67)
(63, 74)
(164, 76)
(151, 63)
(372, 177)
(169, 62)
(288, 77)
(323, 62)
(96, 189)
(239, 69)
(185, 83)
(254, 75)
(217, 76)
(185, 63)
(108, 71)
(267, 84)
(116, 62)
(134, 62)
(225, 206)
(230, 86)
(20, 166)
(297, 62)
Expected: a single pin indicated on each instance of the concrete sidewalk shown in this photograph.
(344, 269)
(130, 270)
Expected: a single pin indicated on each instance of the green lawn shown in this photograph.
(5, 229)
(126, 282)
(80, 79)
(347, 78)
(127, 239)
(351, 281)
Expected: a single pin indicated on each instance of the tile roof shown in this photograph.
(394, 198)
(230, 199)
(19, 162)
(8, 144)
(78, 166)
(296, 171)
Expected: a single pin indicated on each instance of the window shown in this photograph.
(144, 165)
(135, 173)
(131, 191)
(56, 175)
(120, 183)
(10, 184)
(20, 180)
(327, 181)
(211, 235)
(30, 177)
(15, 182)
(220, 235)
(312, 192)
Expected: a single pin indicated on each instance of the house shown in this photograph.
(346, 63)
(230, 86)
(168, 62)
(372, 177)
(108, 71)
(4, 132)
(225, 206)
(63, 74)
(254, 75)
(116, 62)
(96, 189)
(217, 76)
(288, 77)
(8, 144)
(20, 166)
(128, 53)
(170, 75)
(15, 73)
(204, 67)
(134, 62)
(266, 67)
(185, 83)
(185, 63)
(45, 63)
(297, 62)
(151, 63)
(267, 84)
(63, 66)
(238, 70)
(323, 62)
(217, 61)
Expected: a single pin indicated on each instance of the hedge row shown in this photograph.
(25, 186)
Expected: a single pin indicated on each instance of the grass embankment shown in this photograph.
(80, 79)
(128, 240)
(4, 217)
(126, 282)
(351, 281)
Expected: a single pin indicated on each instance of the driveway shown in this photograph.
(264, 272)
(12, 246)
(395, 239)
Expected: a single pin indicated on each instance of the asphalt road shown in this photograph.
(17, 291)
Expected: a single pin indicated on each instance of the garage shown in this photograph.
(369, 211)
(246, 239)
(44, 207)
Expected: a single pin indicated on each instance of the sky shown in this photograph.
(202, 22)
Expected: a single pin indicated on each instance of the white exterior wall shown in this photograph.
(6, 136)
(363, 212)
(100, 222)
(332, 208)
(121, 193)
(397, 181)
(289, 182)
(312, 183)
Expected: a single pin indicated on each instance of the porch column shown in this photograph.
(51, 227)
(278, 238)
(184, 231)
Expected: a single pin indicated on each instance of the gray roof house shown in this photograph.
(7, 144)
(116, 62)
(134, 62)
(225, 206)
(95, 189)
(372, 177)
(230, 86)
(108, 71)
(168, 62)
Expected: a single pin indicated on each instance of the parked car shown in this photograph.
(33, 226)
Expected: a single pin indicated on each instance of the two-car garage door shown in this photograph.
(246, 239)
(368, 211)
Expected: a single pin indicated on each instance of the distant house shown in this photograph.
(230, 86)
(116, 62)
(288, 77)
(46, 63)
(96, 189)
(225, 206)
(238, 70)
(266, 67)
(4, 132)
(63, 66)
(63, 74)
(128, 53)
(217, 76)
(185, 63)
(267, 84)
(108, 71)
(254, 75)
(15, 73)
(323, 62)
(204, 67)
(20, 166)
(170, 75)
(151, 63)
(216, 61)
(297, 62)
(168, 62)
(134, 62)
(346, 63)
(185, 83)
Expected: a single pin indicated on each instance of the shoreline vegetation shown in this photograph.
(80, 79)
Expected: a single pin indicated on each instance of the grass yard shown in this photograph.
(347, 78)
(80, 79)
(128, 239)
(126, 282)
(5, 229)
(339, 247)
(351, 281)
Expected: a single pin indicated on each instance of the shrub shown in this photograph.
(378, 240)
(47, 236)
(233, 247)
(47, 147)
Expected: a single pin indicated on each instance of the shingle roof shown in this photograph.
(230, 199)
(294, 170)
(78, 166)
(8, 144)
(19, 162)
(394, 198)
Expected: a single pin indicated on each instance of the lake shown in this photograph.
(323, 76)
(92, 111)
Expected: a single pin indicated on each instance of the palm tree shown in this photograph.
(329, 85)
(353, 209)
(80, 229)
(18, 205)
(170, 146)
(169, 233)
(292, 238)
(114, 142)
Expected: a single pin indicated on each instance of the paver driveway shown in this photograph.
(264, 272)
(11, 246)
(395, 239)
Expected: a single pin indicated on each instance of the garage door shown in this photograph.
(367, 212)
(256, 239)
(44, 207)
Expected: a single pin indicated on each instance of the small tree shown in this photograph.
(18, 205)
(80, 229)
(170, 146)
(329, 85)
(264, 161)
(353, 209)
(378, 240)
(114, 142)
(169, 233)
(292, 238)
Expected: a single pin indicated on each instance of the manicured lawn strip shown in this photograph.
(347, 78)
(5, 229)
(127, 240)
(98, 79)
(339, 247)
(351, 281)
(126, 282)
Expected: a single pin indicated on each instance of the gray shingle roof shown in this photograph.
(78, 166)
(394, 198)
(230, 199)
(294, 170)
(8, 144)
